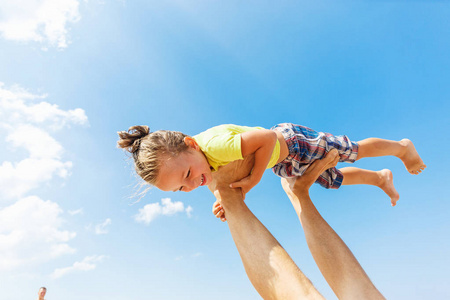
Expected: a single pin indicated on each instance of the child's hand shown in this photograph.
(246, 184)
(218, 211)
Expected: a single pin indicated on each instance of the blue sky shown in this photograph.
(73, 73)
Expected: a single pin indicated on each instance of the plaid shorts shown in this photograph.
(306, 145)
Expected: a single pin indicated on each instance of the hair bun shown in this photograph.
(131, 139)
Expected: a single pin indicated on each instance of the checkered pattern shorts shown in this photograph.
(306, 145)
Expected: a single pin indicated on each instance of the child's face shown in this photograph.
(184, 172)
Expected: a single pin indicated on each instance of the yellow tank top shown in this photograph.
(222, 145)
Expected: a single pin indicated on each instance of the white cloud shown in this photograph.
(31, 229)
(101, 228)
(193, 256)
(36, 141)
(150, 211)
(30, 232)
(189, 211)
(18, 106)
(87, 264)
(75, 212)
(27, 124)
(16, 179)
(43, 21)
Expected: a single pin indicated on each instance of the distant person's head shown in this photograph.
(42, 292)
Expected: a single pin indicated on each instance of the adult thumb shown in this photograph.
(235, 185)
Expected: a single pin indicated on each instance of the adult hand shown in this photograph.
(300, 185)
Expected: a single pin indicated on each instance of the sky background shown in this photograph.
(73, 73)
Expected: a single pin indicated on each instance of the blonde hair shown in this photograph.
(148, 149)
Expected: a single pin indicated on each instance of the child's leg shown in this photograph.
(382, 179)
(404, 149)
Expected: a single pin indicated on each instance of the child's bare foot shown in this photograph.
(387, 185)
(411, 158)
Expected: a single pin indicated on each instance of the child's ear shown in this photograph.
(190, 142)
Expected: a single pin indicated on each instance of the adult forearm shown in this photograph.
(337, 263)
(335, 260)
(268, 266)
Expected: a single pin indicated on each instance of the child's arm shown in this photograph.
(260, 142)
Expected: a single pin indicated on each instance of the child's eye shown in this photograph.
(187, 175)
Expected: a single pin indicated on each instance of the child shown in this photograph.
(173, 161)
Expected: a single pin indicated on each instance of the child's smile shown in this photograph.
(185, 172)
